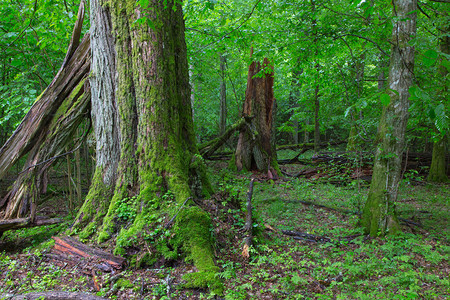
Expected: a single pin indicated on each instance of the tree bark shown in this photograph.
(438, 172)
(256, 147)
(379, 216)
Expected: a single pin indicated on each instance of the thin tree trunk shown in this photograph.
(316, 120)
(379, 216)
(306, 137)
(317, 88)
(223, 97)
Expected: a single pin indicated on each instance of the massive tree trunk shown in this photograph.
(256, 146)
(379, 215)
(47, 128)
(147, 158)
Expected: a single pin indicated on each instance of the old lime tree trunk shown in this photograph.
(379, 216)
(147, 160)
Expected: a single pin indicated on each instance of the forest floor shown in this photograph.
(326, 258)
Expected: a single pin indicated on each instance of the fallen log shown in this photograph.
(14, 224)
(53, 295)
(208, 149)
(71, 251)
(297, 235)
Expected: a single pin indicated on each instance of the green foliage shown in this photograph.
(126, 210)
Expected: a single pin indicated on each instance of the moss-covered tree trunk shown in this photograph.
(147, 158)
(379, 216)
(256, 146)
(438, 172)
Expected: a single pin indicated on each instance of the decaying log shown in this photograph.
(306, 236)
(47, 128)
(208, 149)
(53, 295)
(13, 224)
(71, 251)
(317, 238)
(249, 222)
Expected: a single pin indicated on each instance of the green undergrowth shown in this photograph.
(412, 265)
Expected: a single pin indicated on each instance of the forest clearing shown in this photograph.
(242, 149)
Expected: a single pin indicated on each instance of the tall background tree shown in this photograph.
(379, 216)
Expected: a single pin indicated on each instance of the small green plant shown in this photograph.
(126, 211)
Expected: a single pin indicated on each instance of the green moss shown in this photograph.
(438, 165)
(206, 279)
(232, 163)
(87, 231)
(124, 283)
(193, 235)
(379, 215)
(94, 207)
(68, 103)
(109, 225)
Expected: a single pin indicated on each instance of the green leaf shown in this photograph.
(151, 24)
(347, 111)
(446, 64)
(430, 57)
(144, 3)
(431, 113)
(385, 99)
(16, 63)
(441, 118)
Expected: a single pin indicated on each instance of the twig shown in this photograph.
(248, 222)
(173, 218)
